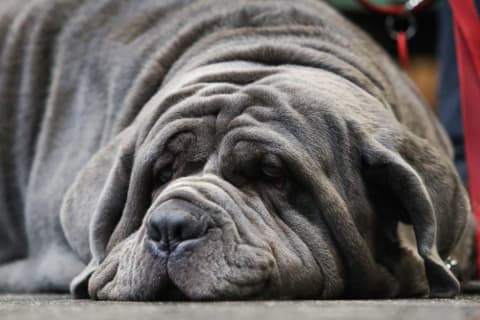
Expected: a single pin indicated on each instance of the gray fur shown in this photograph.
(97, 95)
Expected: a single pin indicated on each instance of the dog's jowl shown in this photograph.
(208, 150)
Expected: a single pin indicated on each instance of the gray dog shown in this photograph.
(155, 150)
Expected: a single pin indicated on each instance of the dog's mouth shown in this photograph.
(170, 292)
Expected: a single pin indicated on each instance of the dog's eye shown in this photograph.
(165, 174)
(273, 171)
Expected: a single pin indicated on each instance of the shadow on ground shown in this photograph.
(54, 307)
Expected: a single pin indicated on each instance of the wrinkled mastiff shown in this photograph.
(217, 150)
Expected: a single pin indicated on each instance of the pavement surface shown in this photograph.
(62, 307)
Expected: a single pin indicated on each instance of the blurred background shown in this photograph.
(423, 68)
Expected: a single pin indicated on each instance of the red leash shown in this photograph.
(467, 42)
(402, 49)
(395, 13)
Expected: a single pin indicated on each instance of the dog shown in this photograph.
(214, 150)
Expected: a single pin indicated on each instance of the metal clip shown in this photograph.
(401, 23)
(453, 266)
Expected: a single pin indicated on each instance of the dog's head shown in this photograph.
(283, 182)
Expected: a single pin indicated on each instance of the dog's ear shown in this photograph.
(412, 182)
(93, 205)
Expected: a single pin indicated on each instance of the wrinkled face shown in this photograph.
(243, 181)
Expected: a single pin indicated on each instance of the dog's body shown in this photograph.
(146, 111)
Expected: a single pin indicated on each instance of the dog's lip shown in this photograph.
(182, 248)
(169, 291)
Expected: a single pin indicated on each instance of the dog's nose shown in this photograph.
(169, 229)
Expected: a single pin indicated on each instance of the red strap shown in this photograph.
(467, 41)
(402, 48)
(395, 9)
(391, 9)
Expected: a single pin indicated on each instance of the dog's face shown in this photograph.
(275, 186)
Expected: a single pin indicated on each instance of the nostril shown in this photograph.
(175, 231)
(153, 232)
(183, 226)
(168, 229)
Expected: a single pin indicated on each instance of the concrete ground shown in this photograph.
(52, 307)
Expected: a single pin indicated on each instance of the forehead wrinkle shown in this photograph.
(229, 111)
(270, 137)
(193, 107)
(150, 151)
(210, 89)
(281, 105)
(159, 105)
(256, 107)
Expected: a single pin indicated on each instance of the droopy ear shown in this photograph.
(94, 203)
(417, 184)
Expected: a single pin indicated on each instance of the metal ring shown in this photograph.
(410, 30)
(412, 4)
(453, 266)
